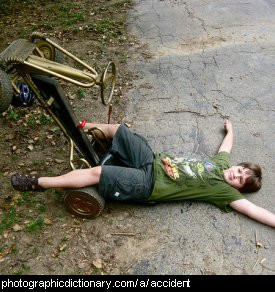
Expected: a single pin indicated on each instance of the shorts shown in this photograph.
(133, 180)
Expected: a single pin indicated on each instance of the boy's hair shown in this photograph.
(254, 182)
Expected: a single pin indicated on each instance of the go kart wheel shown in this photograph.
(84, 202)
(49, 51)
(6, 91)
(108, 81)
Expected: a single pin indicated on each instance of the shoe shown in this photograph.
(25, 183)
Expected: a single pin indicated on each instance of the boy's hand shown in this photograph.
(228, 126)
(227, 142)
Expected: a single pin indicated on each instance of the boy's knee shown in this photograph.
(113, 129)
(96, 171)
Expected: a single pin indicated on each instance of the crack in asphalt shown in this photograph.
(191, 14)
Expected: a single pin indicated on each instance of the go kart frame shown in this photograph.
(31, 68)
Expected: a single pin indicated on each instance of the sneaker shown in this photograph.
(25, 183)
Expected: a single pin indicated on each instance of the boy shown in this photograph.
(146, 176)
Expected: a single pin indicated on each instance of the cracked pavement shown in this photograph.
(206, 61)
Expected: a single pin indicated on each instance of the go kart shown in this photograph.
(31, 69)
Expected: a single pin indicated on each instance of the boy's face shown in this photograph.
(236, 176)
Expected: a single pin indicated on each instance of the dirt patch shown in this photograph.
(37, 234)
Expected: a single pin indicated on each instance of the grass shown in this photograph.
(121, 3)
(14, 157)
(5, 7)
(108, 27)
(80, 93)
(42, 208)
(22, 130)
(45, 119)
(13, 214)
(24, 269)
(38, 162)
(11, 115)
(58, 196)
(32, 122)
(36, 226)
(64, 14)
(73, 19)
(9, 218)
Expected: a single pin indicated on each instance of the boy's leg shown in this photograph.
(78, 178)
(131, 148)
(74, 179)
(108, 129)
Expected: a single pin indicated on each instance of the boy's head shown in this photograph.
(245, 177)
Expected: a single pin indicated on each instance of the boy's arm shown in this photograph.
(253, 211)
(227, 142)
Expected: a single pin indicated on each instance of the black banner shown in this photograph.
(106, 282)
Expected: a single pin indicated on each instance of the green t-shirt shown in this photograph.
(190, 179)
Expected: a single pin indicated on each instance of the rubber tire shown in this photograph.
(6, 91)
(89, 197)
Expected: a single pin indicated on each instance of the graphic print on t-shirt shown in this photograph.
(191, 168)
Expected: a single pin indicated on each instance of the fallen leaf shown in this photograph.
(30, 147)
(72, 97)
(263, 260)
(10, 137)
(63, 247)
(98, 263)
(7, 251)
(258, 244)
(82, 265)
(48, 221)
(16, 227)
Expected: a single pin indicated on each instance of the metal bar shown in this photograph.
(61, 69)
(14, 79)
(51, 73)
(72, 160)
(71, 153)
(71, 56)
(39, 52)
(15, 88)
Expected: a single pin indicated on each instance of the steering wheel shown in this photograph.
(107, 83)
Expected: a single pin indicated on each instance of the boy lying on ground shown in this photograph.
(148, 176)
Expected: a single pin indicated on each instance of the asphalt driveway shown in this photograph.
(206, 61)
